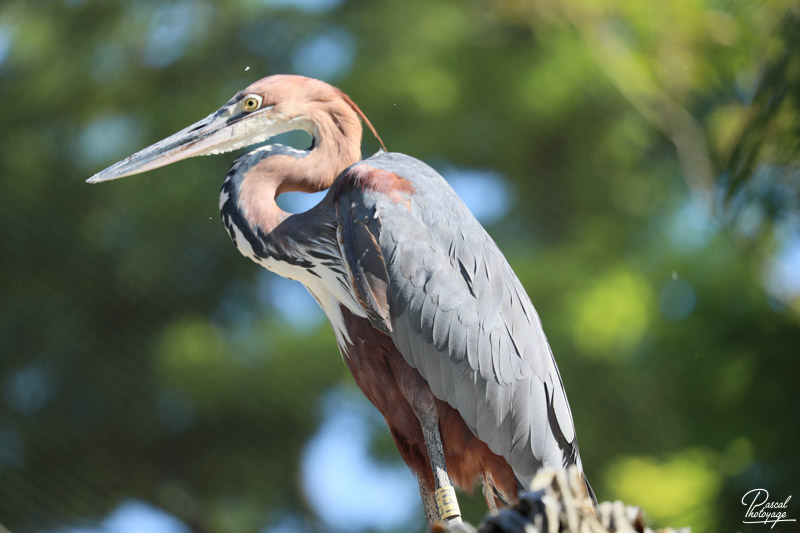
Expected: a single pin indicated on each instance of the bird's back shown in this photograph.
(430, 277)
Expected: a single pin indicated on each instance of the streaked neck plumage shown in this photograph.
(301, 246)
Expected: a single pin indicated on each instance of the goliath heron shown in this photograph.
(431, 320)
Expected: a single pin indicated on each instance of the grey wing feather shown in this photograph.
(458, 314)
(370, 278)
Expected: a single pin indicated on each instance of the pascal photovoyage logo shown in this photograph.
(760, 510)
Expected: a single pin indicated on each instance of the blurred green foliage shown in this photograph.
(652, 154)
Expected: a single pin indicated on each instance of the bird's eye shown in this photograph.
(252, 102)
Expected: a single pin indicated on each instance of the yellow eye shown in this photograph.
(252, 102)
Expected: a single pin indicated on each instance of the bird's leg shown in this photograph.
(423, 404)
(444, 493)
(428, 502)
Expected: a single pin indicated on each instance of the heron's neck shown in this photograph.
(273, 170)
(261, 229)
(303, 246)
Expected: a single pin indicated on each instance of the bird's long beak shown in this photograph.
(191, 141)
(222, 131)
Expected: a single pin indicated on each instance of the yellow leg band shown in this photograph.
(446, 503)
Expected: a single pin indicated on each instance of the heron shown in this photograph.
(430, 318)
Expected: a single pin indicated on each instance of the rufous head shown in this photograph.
(266, 108)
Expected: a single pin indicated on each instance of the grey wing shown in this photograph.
(430, 276)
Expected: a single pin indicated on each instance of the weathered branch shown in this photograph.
(558, 502)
